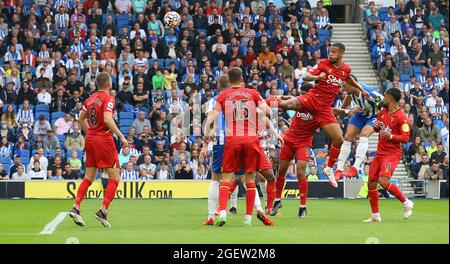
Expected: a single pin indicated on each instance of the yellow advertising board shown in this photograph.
(126, 189)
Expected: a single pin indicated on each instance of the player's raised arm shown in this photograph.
(340, 111)
(352, 83)
(314, 74)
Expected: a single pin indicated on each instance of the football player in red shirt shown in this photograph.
(394, 128)
(330, 75)
(239, 106)
(96, 119)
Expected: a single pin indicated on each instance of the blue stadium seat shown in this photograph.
(42, 108)
(404, 78)
(417, 70)
(61, 139)
(125, 122)
(382, 14)
(56, 115)
(126, 115)
(124, 130)
(6, 161)
(105, 18)
(38, 114)
(169, 61)
(5, 107)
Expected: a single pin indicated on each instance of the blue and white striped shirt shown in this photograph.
(129, 175)
(322, 21)
(62, 20)
(25, 115)
(439, 82)
(370, 107)
(77, 48)
(220, 126)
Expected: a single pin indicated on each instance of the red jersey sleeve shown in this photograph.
(316, 69)
(108, 104)
(405, 129)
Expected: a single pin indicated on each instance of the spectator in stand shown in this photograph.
(129, 173)
(3, 174)
(439, 155)
(63, 124)
(183, 171)
(147, 170)
(41, 126)
(5, 148)
(418, 170)
(75, 162)
(434, 172)
(36, 173)
(124, 155)
(51, 142)
(20, 175)
(429, 132)
(52, 169)
(69, 174)
(140, 122)
(387, 74)
(75, 140)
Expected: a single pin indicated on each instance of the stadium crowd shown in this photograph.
(409, 46)
(51, 52)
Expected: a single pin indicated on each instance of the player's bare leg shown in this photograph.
(361, 151)
(302, 187)
(373, 199)
(224, 194)
(89, 177)
(334, 131)
(346, 148)
(110, 192)
(269, 188)
(213, 197)
(395, 191)
(280, 181)
(249, 197)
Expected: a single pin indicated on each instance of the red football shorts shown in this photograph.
(323, 115)
(101, 152)
(264, 163)
(382, 167)
(235, 153)
(291, 150)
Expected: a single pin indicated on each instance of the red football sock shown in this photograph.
(224, 194)
(82, 190)
(233, 186)
(110, 192)
(281, 179)
(250, 198)
(271, 192)
(373, 199)
(303, 190)
(394, 190)
(333, 155)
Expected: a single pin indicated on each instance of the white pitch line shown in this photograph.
(50, 227)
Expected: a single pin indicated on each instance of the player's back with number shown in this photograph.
(95, 106)
(239, 108)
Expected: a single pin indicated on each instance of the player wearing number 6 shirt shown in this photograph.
(239, 105)
(394, 128)
(97, 121)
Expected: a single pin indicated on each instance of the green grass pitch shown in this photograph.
(180, 221)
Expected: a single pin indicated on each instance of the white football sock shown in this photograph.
(234, 197)
(361, 151)
(263, 186)
(343, 155)
(213, 197)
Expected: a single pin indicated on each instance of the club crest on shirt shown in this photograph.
(388, 167)
(405, 127)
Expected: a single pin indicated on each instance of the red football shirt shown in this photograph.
(302, 128)
(239, 107)
(95, 106)
(329, 87)
(400, 128)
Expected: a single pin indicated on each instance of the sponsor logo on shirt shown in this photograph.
(334, 81)
(305, 116)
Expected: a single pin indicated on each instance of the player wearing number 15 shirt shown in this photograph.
(97, 121)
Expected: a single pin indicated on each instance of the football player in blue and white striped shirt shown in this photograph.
(361, 123)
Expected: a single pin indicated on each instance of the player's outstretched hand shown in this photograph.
(279, 140)
(321, 76)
